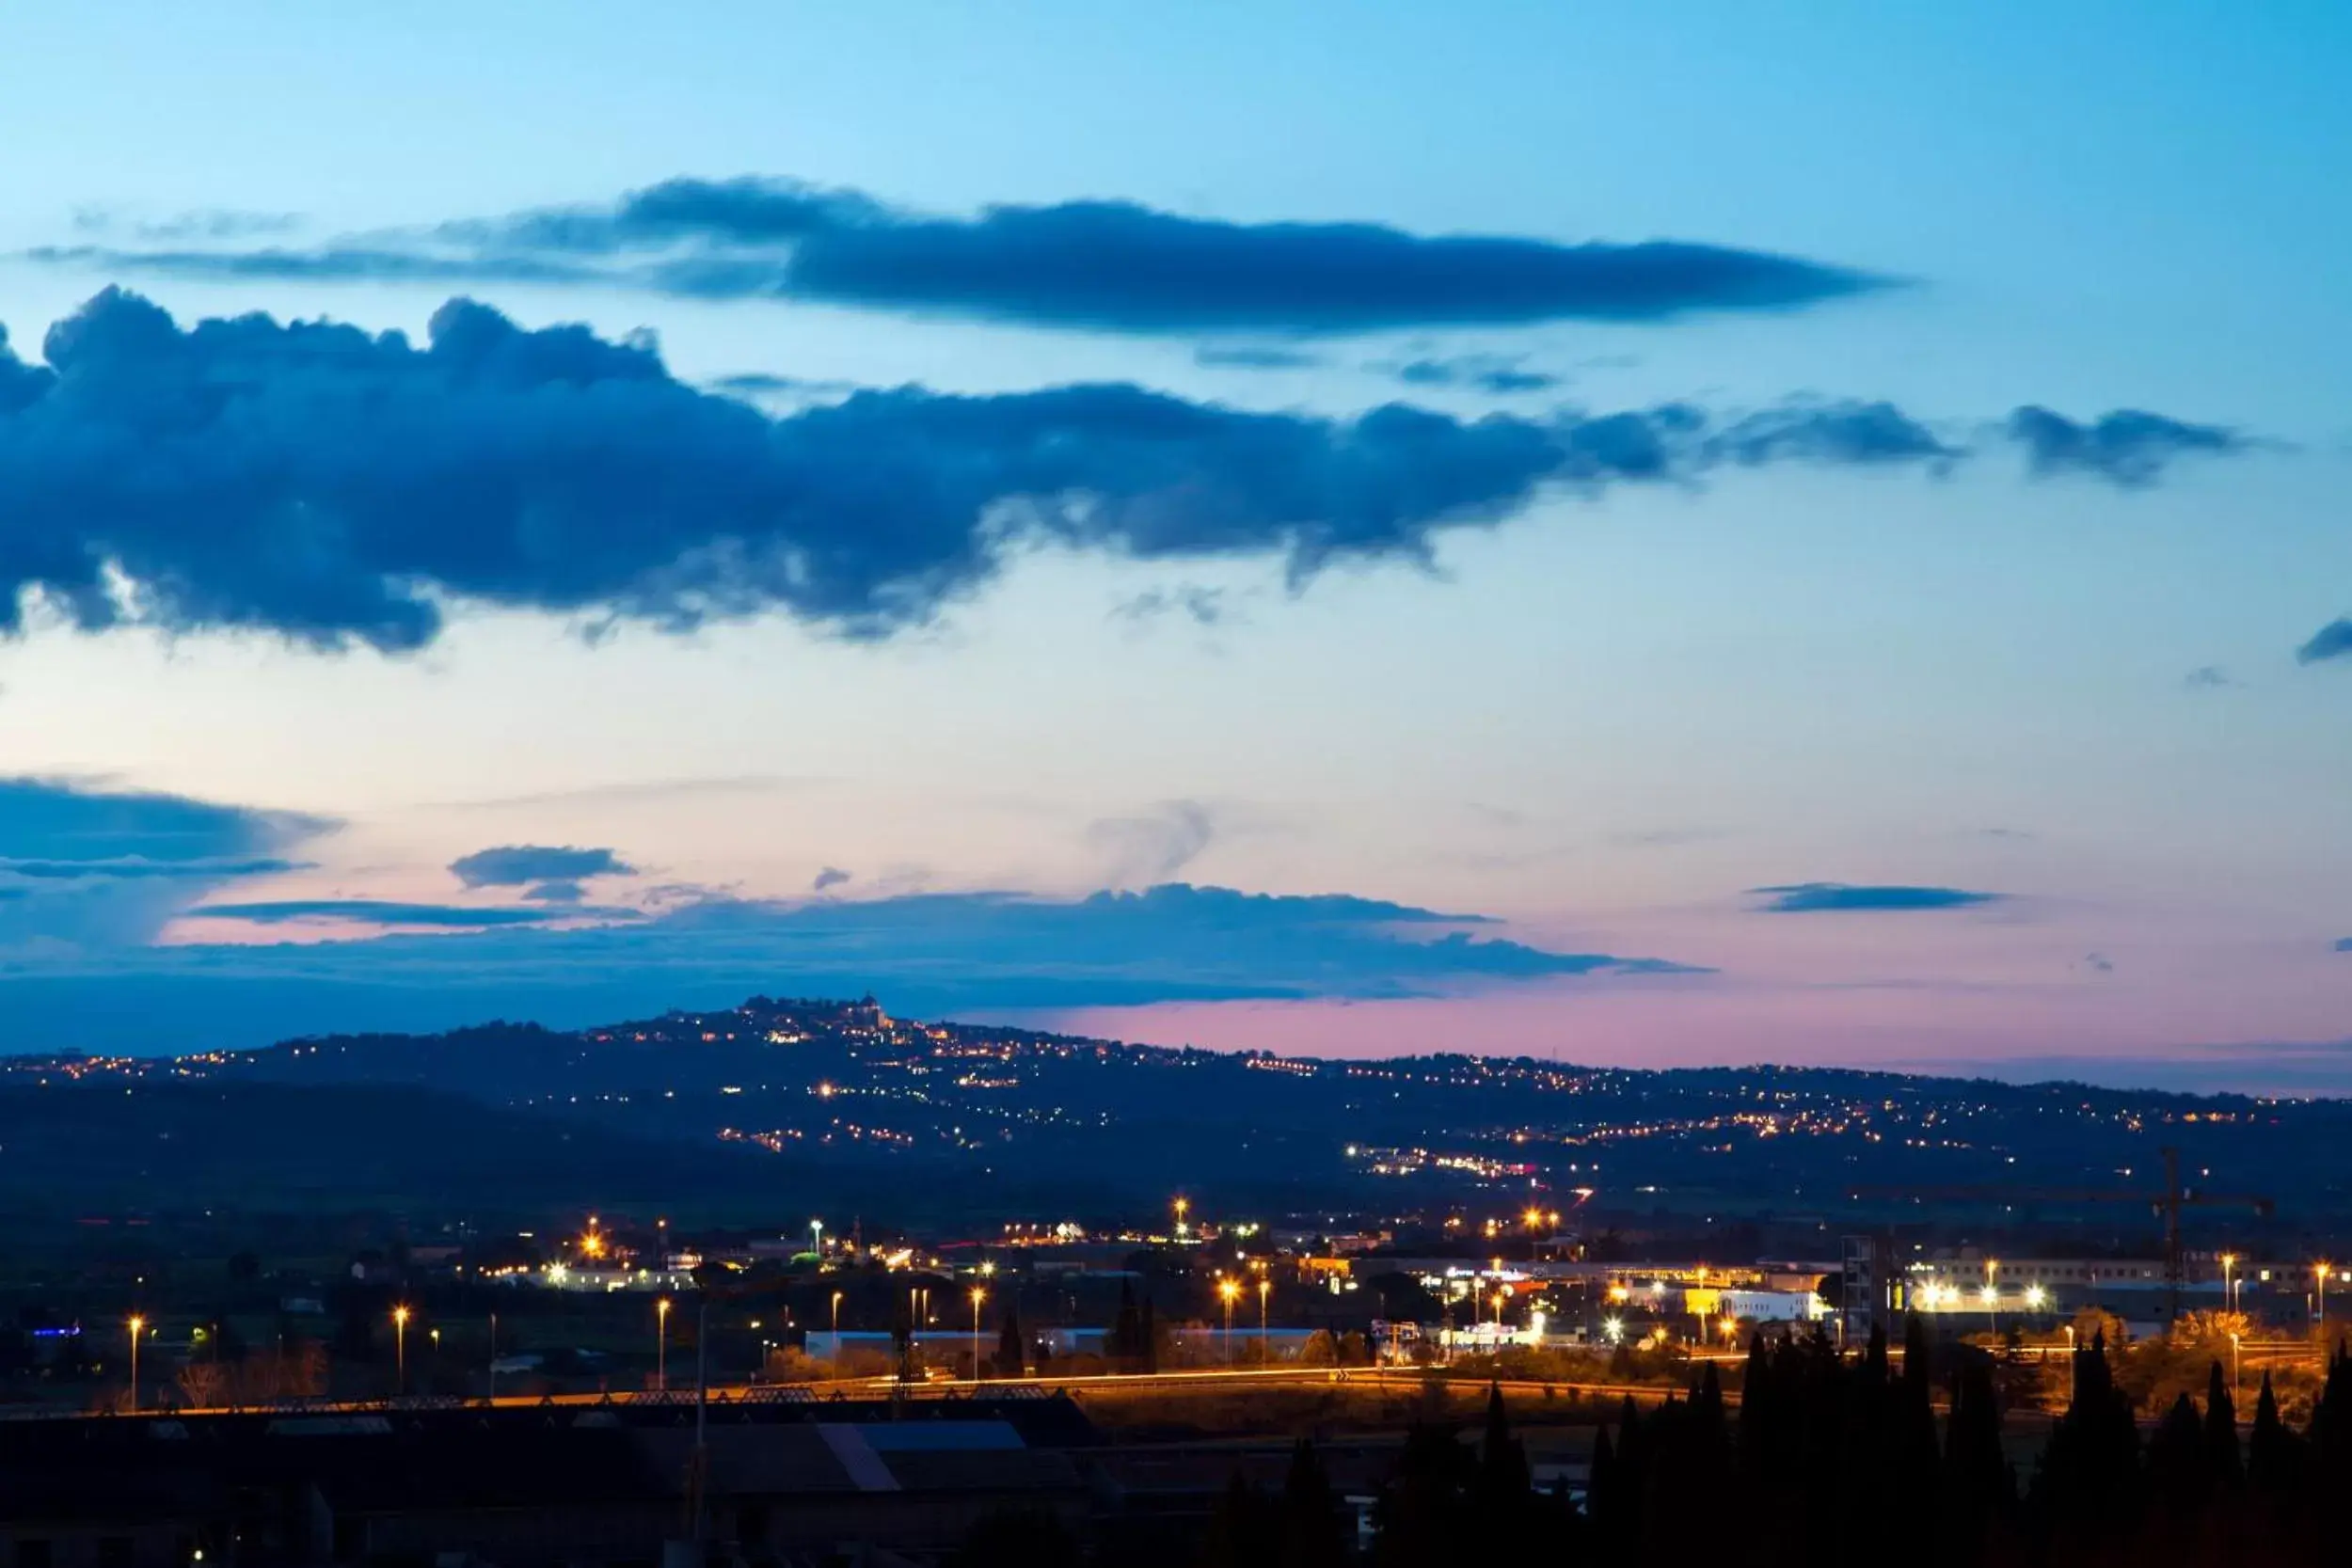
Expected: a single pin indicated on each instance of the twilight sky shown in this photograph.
(1664, 534)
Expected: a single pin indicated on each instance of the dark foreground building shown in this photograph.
(605, 1485)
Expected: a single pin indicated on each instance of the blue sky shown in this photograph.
(1712, 622)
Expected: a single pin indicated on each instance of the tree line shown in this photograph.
(1826, 1456)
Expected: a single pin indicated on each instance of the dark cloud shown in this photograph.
(1499, 374)
(1835, 897)
(1832, 431)
(2128, 447)
(1153, 847)
(2206, 677)
(334, 487)
(2099, 963)
(2332, 641)
(1247, 356)
(1203, 607)
(377, 911)
(60, 820)
(513, 864)
(830, 876)
(83, 867)
(2344, 945)
(1107, 265)
(557, 890)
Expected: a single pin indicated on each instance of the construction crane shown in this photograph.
(2166, 1203)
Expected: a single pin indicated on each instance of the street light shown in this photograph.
(2228, 1299)
(1265, 1350)
(836, 1317)
(138, 1326)
(2236, 1386)
(1229, 1291)
(1184, 1206)
(978, 1295)
(400, 1344)
(661, 1344)
(2322, 1271)
(817, 1237)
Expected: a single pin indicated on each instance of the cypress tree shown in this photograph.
(2273, 1456)
(2176, 1459)
(1011, 1350)
(1503, 1475)
(1310, 1531)
(2224, 1461)
(1125, 1346)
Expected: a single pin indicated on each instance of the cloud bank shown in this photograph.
(1844, 898)
(1111, 266)
(335, 487)
(930, 954)
(84, 866)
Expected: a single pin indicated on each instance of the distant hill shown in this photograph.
(826, 1101)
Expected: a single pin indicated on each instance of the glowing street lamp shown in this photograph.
(400, 1344)
(661, 1344)
(1230, 1291)
(1184, 1206)
(2321, 1269)
(138, 1326)
(837, 1314)
(1615, 1329)
(2035, 1297)
(978, 1295)
(2229, 1263)
(1265, 1349)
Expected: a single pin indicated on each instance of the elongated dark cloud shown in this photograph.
(1845, 897)
(377, 911)
(2128, 447)
(1502, 374)
(334, 487)
(1107, 265)
(2344, 945)
(2332, 641)
(513, 864)
(1253, 356)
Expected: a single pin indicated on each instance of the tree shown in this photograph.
(2274, 1457)
(2224, 1463)
(1011, 1350)
(1312, 1530)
